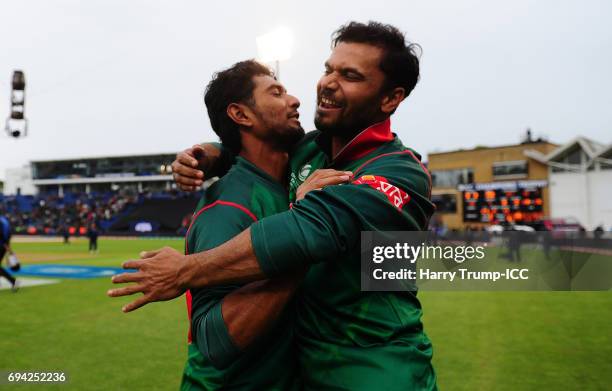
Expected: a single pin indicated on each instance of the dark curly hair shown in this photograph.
(400, 62)
(233, 85)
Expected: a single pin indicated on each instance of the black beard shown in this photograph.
(287, 139)
(345, 131)
(360, 119)
(334, 130)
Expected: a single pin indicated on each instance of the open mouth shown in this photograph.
(295, 115)
(328, 104)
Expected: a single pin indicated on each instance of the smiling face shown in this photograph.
(349, 94)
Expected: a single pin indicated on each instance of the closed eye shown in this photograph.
(351, 75)
(277, 91)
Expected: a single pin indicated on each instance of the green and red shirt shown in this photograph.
(348, 339)
(244, 195)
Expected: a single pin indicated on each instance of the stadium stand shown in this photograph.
(156, 214)
(123, 195)
(119, 213)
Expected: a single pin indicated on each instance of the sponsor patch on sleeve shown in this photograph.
(394, 194)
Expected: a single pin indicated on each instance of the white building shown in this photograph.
(136, 172)
(19, 181)
(580, 180)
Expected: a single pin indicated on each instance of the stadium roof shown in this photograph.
(104, 157)
(590, 147)
(102, 179)
(482, 147)
(593, 149)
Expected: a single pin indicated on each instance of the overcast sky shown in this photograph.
(126, 77)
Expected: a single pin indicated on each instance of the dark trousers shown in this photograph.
(3, 272)
(93, 243)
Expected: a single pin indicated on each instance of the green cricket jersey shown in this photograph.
(243, 196)
(348, 339)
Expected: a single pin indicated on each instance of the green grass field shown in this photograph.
(482, 340)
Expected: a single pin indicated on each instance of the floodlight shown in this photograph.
(17, 124)
(275, 46)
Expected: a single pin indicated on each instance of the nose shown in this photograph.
(294, 102)
(328, 82)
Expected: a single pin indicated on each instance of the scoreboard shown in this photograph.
(497, 202)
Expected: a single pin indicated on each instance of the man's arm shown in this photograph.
(166, 274)
(324, 225)
(236, 261)
(193, 165)
(203, 161)
(252, 309)
(226, 320)
(244, 315)
(240, 248)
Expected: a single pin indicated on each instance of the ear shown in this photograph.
(391, 100)
(240, 114)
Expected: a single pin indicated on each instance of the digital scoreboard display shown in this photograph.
(497, 202)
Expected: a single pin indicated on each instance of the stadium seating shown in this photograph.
(114, 212)
(161, 213)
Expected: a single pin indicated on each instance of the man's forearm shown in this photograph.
(250, 311)
(230, 263)
(218, 160)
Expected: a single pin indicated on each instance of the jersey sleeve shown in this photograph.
(328, 223)
(213, 226)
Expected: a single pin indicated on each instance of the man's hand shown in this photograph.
(158, 277)
(321, 178)
(188, 167)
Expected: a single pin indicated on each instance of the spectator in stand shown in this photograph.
(5, 245)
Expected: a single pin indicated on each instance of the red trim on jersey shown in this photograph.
(398, 153)
(218, 202)
(365, 142)
(188, 299)
(424, 169)
(195, 216)
(376, 158)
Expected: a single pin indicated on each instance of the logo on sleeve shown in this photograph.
(394, 194)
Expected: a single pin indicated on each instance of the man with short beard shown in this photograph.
(346, 339)
(234, 325)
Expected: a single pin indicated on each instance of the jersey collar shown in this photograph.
(259, 173)
(363, 143)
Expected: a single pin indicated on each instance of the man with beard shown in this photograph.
(233, 325)
(346, 339)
